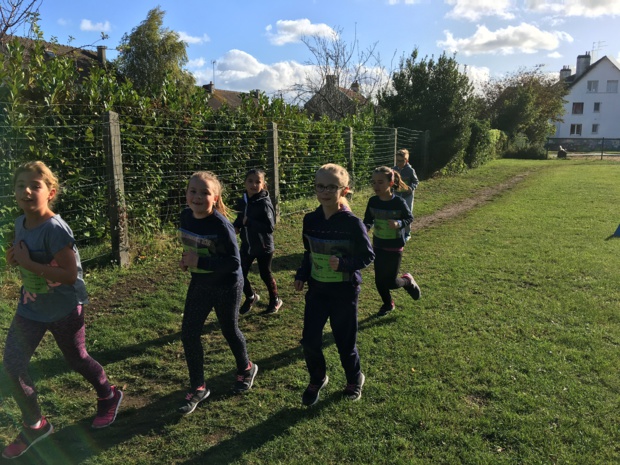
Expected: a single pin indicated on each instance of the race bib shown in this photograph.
(321, 271)
(383, 230)
(202, 245)
(33, 283)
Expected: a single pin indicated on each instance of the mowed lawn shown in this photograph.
(511, 356)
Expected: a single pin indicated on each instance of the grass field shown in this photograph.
(510, 356)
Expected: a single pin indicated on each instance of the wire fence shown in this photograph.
(157, 161)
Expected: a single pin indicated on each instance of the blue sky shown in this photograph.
(255, 45)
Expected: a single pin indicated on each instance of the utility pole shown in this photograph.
(213, 66)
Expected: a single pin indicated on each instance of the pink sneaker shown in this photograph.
(27, 438)
(107, 409)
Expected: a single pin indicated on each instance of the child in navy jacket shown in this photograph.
(390, 216)
(336, 248)
(255, 224)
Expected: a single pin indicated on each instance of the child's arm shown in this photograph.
(64, 273)
(414, 180)
(10, 258)
(266, 223)
(368, 218)
(362, 256)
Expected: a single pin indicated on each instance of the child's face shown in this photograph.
(380, 184)
(331, 189)
(254, 184)
(201, 197)
(32, 194)
(401, 161)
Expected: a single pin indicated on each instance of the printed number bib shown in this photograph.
(33, 283)
(321, 271)
(383, 230)
(196, 243)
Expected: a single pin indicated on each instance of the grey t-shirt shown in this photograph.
(40, 299)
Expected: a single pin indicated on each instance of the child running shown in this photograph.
(390, 216)
(255, 224)
(211, 255)
(52, 298)
(336, 249)
(410, 179)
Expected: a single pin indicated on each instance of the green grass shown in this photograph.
(511, 355)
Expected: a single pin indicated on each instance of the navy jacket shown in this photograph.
(257, 234)
(215, 239)
(378, 212)
(343, 235)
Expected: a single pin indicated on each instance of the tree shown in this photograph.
(432, 95)
(152, 54)
(15, 13)
(527, 103)
(342, 63)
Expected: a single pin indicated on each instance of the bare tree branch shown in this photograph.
(16, 13)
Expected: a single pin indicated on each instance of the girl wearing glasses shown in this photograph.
(336, 248)
(390, 215)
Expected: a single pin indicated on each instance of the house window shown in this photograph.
(597, 107)
(578, 108)
(592, 86)
(612, 86)
(575, 129)
(595, 129)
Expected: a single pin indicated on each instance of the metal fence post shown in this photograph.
(117, 208)
(274, 168)
(349, 150)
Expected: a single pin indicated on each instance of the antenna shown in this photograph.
(213, 62)
(596, 47)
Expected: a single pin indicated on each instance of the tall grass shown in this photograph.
(509, 357)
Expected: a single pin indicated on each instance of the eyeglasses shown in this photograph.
(331, 188)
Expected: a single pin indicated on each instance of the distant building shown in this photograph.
(231, 98)
(592, 109)
(334, 101)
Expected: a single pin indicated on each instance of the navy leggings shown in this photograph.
(24, 337)
(264, 268)
(201, 299)
(387, 264)
(341, 309)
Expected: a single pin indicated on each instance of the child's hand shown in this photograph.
(21, 254)
(334, 262)
(182, 265)
(189, 259)
(10, 258)
(394, 224)
(299, 285)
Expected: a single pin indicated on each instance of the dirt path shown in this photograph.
(457, 209)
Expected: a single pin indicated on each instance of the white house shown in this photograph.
(593, 102)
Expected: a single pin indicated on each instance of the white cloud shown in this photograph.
(88, 25)
(555, 55)
(196, 63)
(586, 8)
(289, 31)
(473, 10)
(406, 2)
(524, 38)
(238, 70)
(62, 22)
(185, 37)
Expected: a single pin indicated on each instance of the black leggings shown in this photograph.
(200, 300)
(387, 265)
(264, 269)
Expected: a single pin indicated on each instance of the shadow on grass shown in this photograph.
(78, 442)
(232, 449)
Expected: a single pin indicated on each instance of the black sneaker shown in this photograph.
(412, 288)
(311, 394)
(193, 398)
(354, 391)
(248, 304)
(274, 306)
(385, 309)
(27, 438)
(245, 380)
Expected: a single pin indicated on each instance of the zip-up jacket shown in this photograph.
(379, 212)
(257, 234)
(344, 235)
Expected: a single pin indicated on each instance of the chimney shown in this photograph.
(583, 62)
(101, 54)
(355, 87)
(208, 87)
(565, 73)
(331, 80)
